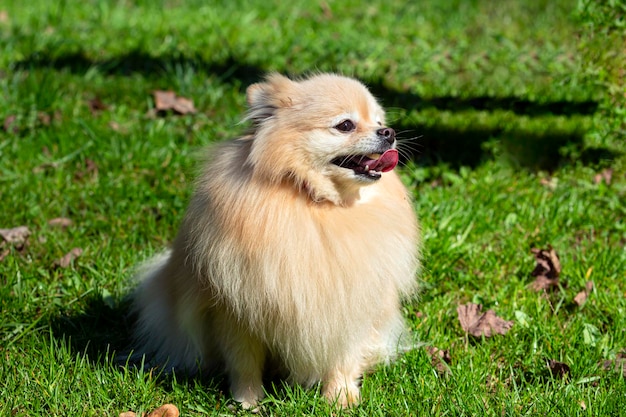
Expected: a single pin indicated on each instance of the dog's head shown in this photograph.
(326, 134)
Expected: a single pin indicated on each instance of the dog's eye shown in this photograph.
(345, 126)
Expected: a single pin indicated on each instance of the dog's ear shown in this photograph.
(266, 97)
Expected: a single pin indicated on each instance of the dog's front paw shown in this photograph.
(250, 407)
(248, 397)
(342, 395)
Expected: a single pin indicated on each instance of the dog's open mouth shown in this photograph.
(370, 166)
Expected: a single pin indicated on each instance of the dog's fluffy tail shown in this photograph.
(159, 339)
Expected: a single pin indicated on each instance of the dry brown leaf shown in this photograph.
(547, 270)
(326, 10)
(184, 106)
(16, 236)
(616, 365)
(44, 118)
(67, 259)
(167, 410)
(90, 168)
(558, 369)
(62, 222)
(96, 105)
(549, 182)
(606, 175)
(4, 16)
(581, 297)
(57, 116)
(436, 183)
(439, 358)
(46, 166)
(478, 324)
(548, 263)
(167, 100)
(10, 125)
(164, 100)
(544, 283)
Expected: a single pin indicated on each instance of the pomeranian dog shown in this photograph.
(297, 249)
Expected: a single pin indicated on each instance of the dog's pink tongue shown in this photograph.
(387, 161)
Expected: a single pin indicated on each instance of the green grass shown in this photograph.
(513, 109)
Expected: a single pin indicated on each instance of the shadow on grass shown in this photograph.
(145, 64)
(469, 145)
(516, 105)
(102, 328)
(436, 144)
(103, 333)
(532, 151)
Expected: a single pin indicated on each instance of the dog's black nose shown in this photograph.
(388, 133)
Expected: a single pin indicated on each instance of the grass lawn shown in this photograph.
(513, 124)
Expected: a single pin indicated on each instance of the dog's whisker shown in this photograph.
(347, 158)
(408, 148)
(402, 132)
(404, 154)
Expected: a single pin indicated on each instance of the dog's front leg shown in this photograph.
(244, 358)
(341, 386)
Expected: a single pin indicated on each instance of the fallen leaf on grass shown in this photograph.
(603, 176)
(66, 260)
(436, 183)
(543, 283)
(62, 222)
(481, 324)
(96, 106)
(547, 270)
(581, 297)
(115, 126)
(10, 124)
(167, 410)
(46, 166)
(90, 168)
(44, 118)
(167, 100)
(439, 358)
(16, 236)
(558, 369)
(548, 263)
(328, 13)
(616, 365)
(549, 182)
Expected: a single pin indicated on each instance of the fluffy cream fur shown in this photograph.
(283, 256)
